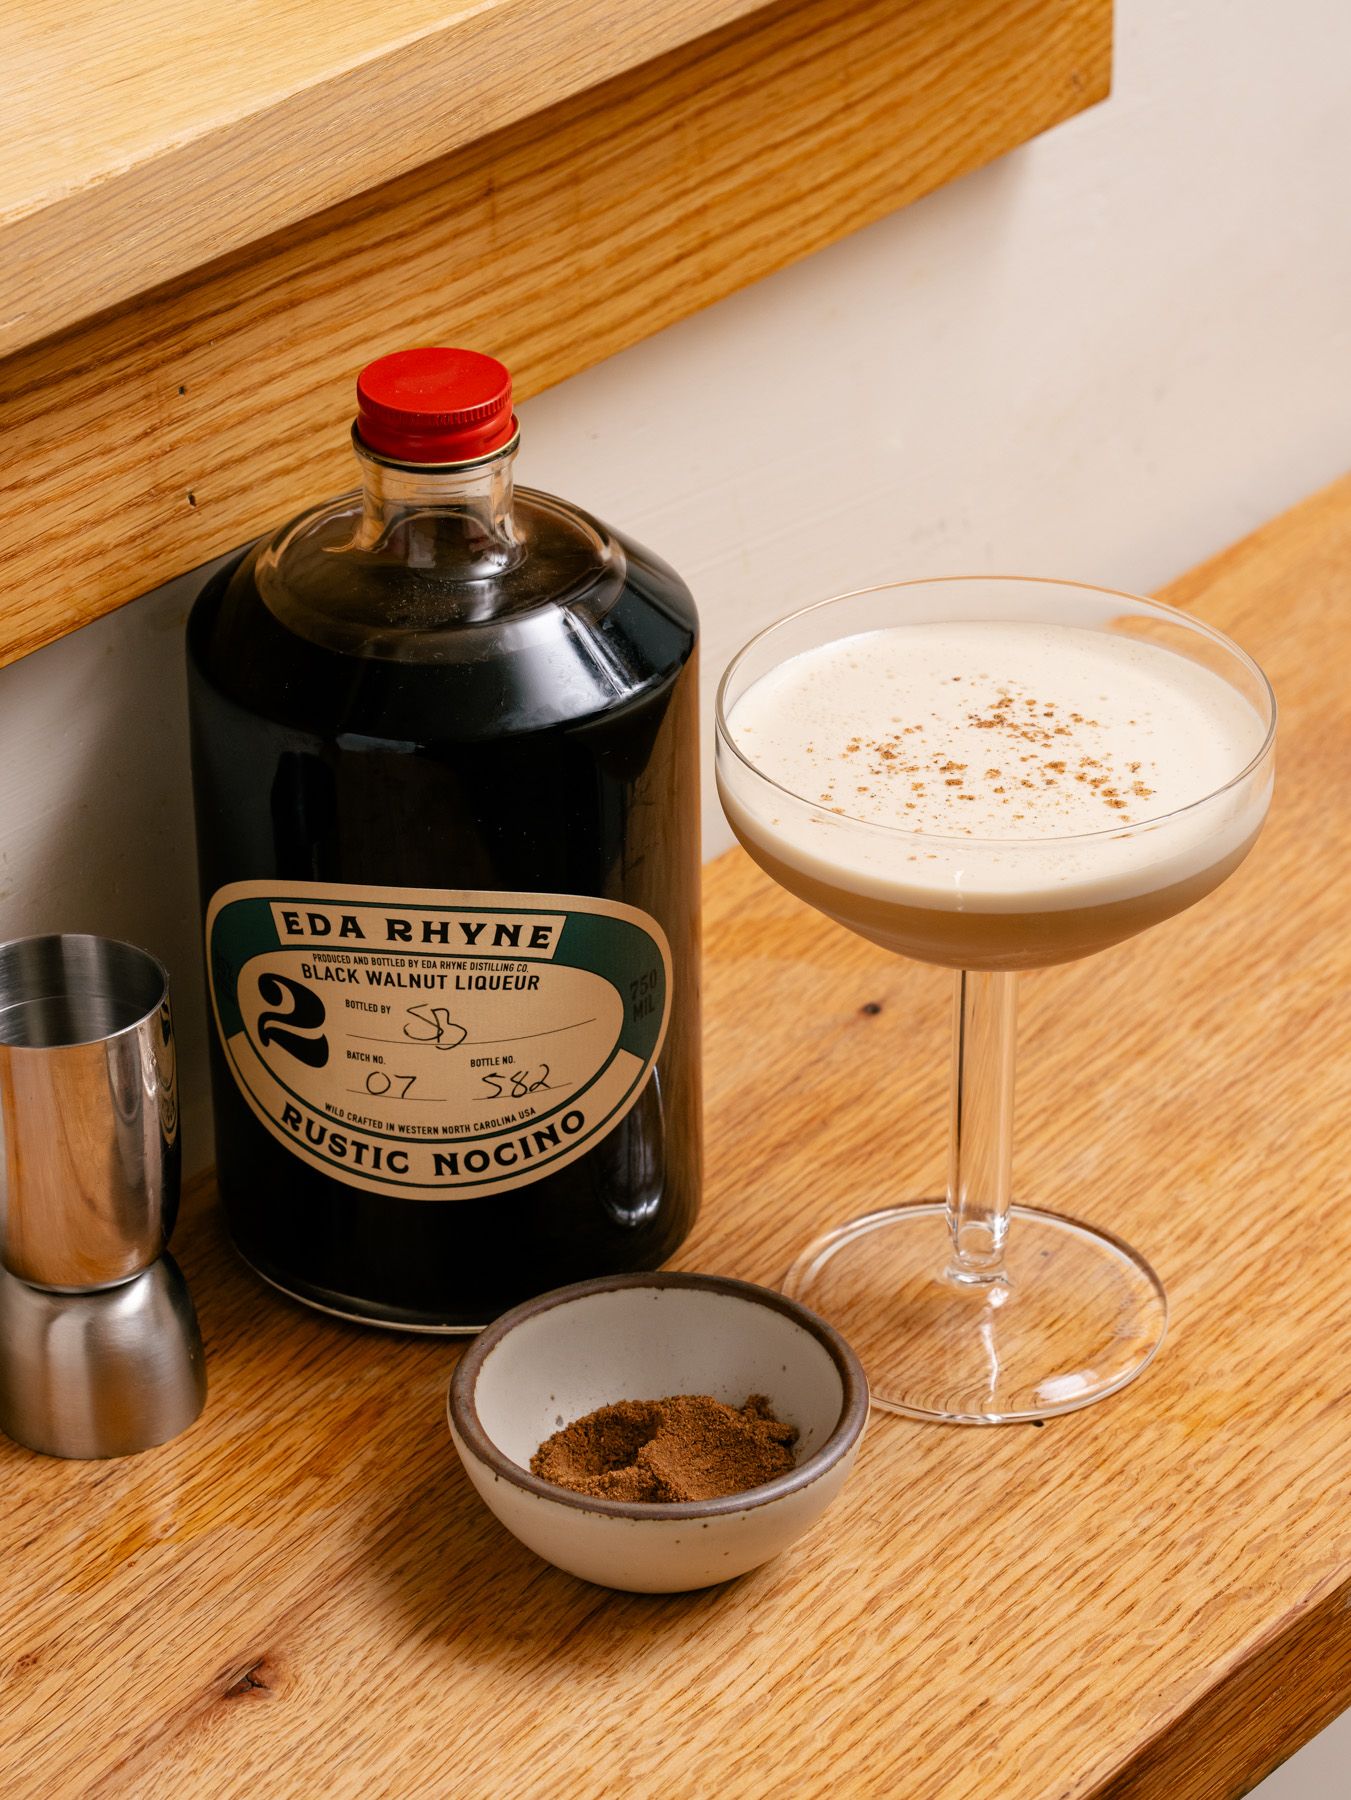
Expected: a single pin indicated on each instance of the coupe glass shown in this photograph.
(974, 1310)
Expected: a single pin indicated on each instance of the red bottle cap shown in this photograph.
(434, 406)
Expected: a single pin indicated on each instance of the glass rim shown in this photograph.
(1161, 607)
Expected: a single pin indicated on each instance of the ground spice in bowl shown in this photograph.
(686, 1447)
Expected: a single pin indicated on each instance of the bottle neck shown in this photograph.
(455, 521)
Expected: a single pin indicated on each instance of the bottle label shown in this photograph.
(435, 1045)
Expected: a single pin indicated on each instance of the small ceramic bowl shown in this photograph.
(642, 1337)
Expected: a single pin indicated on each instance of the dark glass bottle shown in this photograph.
(445, 754)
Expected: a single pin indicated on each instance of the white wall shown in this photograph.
(1105, 357)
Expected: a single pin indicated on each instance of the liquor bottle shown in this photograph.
(445, 757)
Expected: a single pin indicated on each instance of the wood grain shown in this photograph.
(151, 137)
(1148, 1599)
(150, 439)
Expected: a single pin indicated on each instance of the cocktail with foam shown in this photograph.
(995, 775)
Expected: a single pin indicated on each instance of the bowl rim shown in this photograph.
(848, 1428)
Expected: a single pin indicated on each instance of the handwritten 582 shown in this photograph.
(515, 1084)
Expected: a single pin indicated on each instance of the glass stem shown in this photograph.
(980, 1156)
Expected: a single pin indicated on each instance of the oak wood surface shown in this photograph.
(150, 438)
(142, 138)
(1147, 1600)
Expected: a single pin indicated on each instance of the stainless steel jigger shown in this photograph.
(100, 1354)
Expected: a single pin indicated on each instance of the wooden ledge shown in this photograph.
(198, 413)
(140, 140)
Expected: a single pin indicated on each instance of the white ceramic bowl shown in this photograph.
(642, 1337)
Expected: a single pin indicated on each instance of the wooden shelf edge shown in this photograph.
(138, 447)
(105, 228)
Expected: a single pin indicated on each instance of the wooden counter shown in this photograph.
(1151, 1598)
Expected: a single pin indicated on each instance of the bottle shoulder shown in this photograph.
(313, 623)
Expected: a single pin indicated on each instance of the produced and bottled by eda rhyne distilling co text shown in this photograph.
(445, 753)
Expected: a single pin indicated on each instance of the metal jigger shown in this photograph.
(100, 1354)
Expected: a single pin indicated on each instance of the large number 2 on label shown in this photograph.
(307, 1012)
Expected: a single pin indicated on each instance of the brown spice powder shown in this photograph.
(686, 1447)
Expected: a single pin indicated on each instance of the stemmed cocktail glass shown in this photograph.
(975, 1310)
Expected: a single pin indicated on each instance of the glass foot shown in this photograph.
(1078, 1316)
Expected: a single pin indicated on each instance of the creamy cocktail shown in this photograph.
(1036, 751)
(992, 774)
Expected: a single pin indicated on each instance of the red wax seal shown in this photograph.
(434, 406)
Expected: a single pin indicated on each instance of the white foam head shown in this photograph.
(994, 764)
